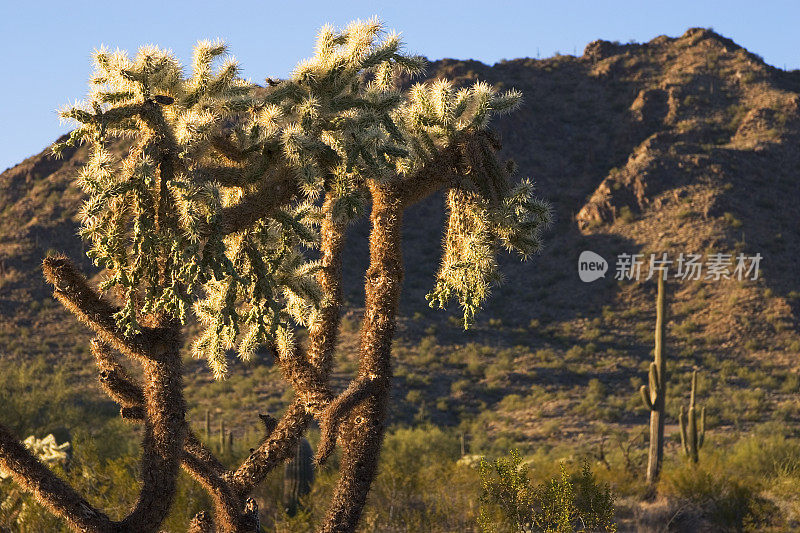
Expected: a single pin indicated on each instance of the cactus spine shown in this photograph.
(693, 433)
(653, 394)
(298, 476)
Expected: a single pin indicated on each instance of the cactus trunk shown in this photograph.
(693, 436)
(653, 394)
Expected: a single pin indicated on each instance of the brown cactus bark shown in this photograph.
(361, 434)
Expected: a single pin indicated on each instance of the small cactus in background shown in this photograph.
(13, 507)
(208, 424)
(298, 477)
(47, 450)
(221, 435)
(653, 394)
(693, 432)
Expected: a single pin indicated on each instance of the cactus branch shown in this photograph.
(311, 371)
(338, 410)
(195, 457)
(162, 402)
(201, 523)
(114, 379)
(361, 435)
(693, 431)
(648, 403)
(49, 490)
(684, 438)
(72, 289)
(702, 428)
(443, 170)
(273, 451)
(270, 195)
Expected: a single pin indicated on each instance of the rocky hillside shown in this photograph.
(678, 145)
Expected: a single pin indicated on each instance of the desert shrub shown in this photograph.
(575, 503)
(38, 398)
(716, 496)
(421, 486)
(626, 215)
(507, 499)
(414, 490)
(564, 503)
(766, 456)
(596, 403)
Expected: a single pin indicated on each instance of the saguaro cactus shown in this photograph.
(653, 394)
(693, 433)
(298, 476)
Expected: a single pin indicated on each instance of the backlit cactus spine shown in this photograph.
(298, 477)
(653, 394)
(693, 432)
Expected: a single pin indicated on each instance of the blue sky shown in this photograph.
(48, 43)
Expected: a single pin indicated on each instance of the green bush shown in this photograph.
(421, 486)
(565, 503)
(727, 502)
(766, 456)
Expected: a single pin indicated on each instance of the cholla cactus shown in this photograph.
(211, 213)
(485, 210)
(47, 450)
(143, 214)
